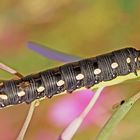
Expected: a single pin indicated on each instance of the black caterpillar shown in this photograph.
(69, 77)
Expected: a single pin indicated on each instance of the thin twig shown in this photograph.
(69, 132)
(117, 117)
(27, 120)
(7, 68)
(10, 70)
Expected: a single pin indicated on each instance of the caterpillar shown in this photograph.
(69, 77)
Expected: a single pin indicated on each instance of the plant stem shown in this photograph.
(117, 116)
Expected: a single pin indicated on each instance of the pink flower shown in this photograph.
(43, 135)
(63, 111)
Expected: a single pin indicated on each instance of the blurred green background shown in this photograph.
(78, 27)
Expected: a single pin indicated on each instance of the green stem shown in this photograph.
(117, 116)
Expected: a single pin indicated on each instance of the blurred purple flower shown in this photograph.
(51, 54)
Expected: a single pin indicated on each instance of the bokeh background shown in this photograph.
(81, 28)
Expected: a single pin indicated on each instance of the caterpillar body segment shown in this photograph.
(69, 77)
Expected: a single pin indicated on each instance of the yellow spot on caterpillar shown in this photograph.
(114, 65)
(135, 59)
(79, 76)
(21, 93)
(128, 60)
(60, 83)
(4, 97)
(97, 71)
(40, 89)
